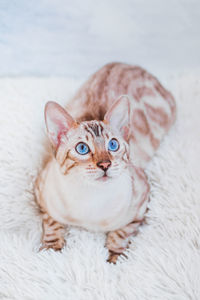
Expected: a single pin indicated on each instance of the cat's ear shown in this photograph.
(118, 116)
(58, 122)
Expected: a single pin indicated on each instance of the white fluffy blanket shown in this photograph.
(163, 260)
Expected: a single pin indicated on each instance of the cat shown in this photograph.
(101, 144)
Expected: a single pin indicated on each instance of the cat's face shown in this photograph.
(96, 151)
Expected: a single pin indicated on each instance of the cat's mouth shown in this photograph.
(105, 177)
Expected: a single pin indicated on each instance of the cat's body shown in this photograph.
(104, 189)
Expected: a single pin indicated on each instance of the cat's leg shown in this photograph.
(118, 240)
(53, 233)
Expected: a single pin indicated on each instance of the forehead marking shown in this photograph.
(107, 136)
(88, 129)
(94, 128)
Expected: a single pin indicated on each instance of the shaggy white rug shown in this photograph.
(163, 260)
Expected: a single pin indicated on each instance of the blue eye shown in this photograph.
(82, 148)
(113, 145)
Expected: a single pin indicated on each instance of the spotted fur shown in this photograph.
(103, 190)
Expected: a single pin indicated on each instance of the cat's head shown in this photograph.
(94, 150)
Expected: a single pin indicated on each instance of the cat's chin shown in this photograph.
(104, 178)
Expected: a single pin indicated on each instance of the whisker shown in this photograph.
(91, 172)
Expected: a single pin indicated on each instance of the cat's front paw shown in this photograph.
(113, 257)
(56, 244)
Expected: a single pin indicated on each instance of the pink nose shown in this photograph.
(104, 164)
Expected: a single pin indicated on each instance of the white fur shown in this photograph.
(163, 260)
(88, 203)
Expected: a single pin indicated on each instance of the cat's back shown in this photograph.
(110, 82)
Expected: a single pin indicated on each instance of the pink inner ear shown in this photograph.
(118, 116)
(126, 133)
(58, 122)
(61, 132)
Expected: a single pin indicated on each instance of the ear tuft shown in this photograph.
(118, 116)
(58, 122)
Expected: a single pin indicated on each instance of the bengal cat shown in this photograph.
(101, 144)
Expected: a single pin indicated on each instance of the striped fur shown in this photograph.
(72, 189)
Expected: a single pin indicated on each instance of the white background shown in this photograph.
(73, 38)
